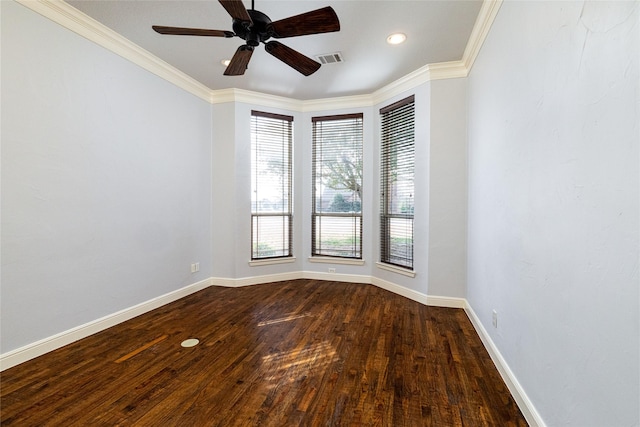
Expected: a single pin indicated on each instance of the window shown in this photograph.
(271, 205)
(337, 186)
(397, 157)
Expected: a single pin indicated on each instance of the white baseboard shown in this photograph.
(336, 277)
(38, 348)
(269, 278)
(433, 300)
(448, 302)
(400, 290)
(255, 280)
(526, 406)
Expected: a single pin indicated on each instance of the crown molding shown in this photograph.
(87, 27)
(435, 71)
(338, 103)
(447, 70)
(71, 18)
(486, 16)
(255, 98)
(273, 101)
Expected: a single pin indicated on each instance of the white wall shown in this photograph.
(553, 205)
(106, 181)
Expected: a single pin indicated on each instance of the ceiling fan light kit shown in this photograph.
(255, 27)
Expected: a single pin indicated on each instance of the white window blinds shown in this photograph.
(337, 186)
(271, 204)
(397, 157)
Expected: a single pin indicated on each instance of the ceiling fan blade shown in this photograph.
(236, 9)
(179, 31)
(239, 62)
(317, 21)
(292, 58)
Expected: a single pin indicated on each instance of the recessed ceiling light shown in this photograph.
(396, 38)
(225, 62)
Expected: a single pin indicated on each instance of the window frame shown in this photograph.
(317, 251)
(398, 117)
(287, 213)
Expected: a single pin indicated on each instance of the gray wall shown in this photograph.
(114, 181)
(448, 188)
(106, 181)
(224, 210)
(441, 196)
(553, 205)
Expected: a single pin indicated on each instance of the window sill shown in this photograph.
(271, 261)
(332, 260)
(394, 269)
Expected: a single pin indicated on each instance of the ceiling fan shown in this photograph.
(255, 27)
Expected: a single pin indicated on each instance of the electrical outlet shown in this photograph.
(495, 319)
(332, 270)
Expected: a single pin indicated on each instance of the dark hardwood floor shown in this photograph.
(296, 353)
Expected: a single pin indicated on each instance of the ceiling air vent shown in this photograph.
(330, 58)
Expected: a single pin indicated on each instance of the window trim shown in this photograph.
(271, 261)
(321, 259)
(395, 269)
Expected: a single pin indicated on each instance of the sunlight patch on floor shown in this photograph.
(284, 319)
(300, 361)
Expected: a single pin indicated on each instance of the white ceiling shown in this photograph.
(437, 31)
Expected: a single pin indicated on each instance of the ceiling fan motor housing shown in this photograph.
(260, 31)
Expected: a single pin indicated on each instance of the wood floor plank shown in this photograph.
(293, 353)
